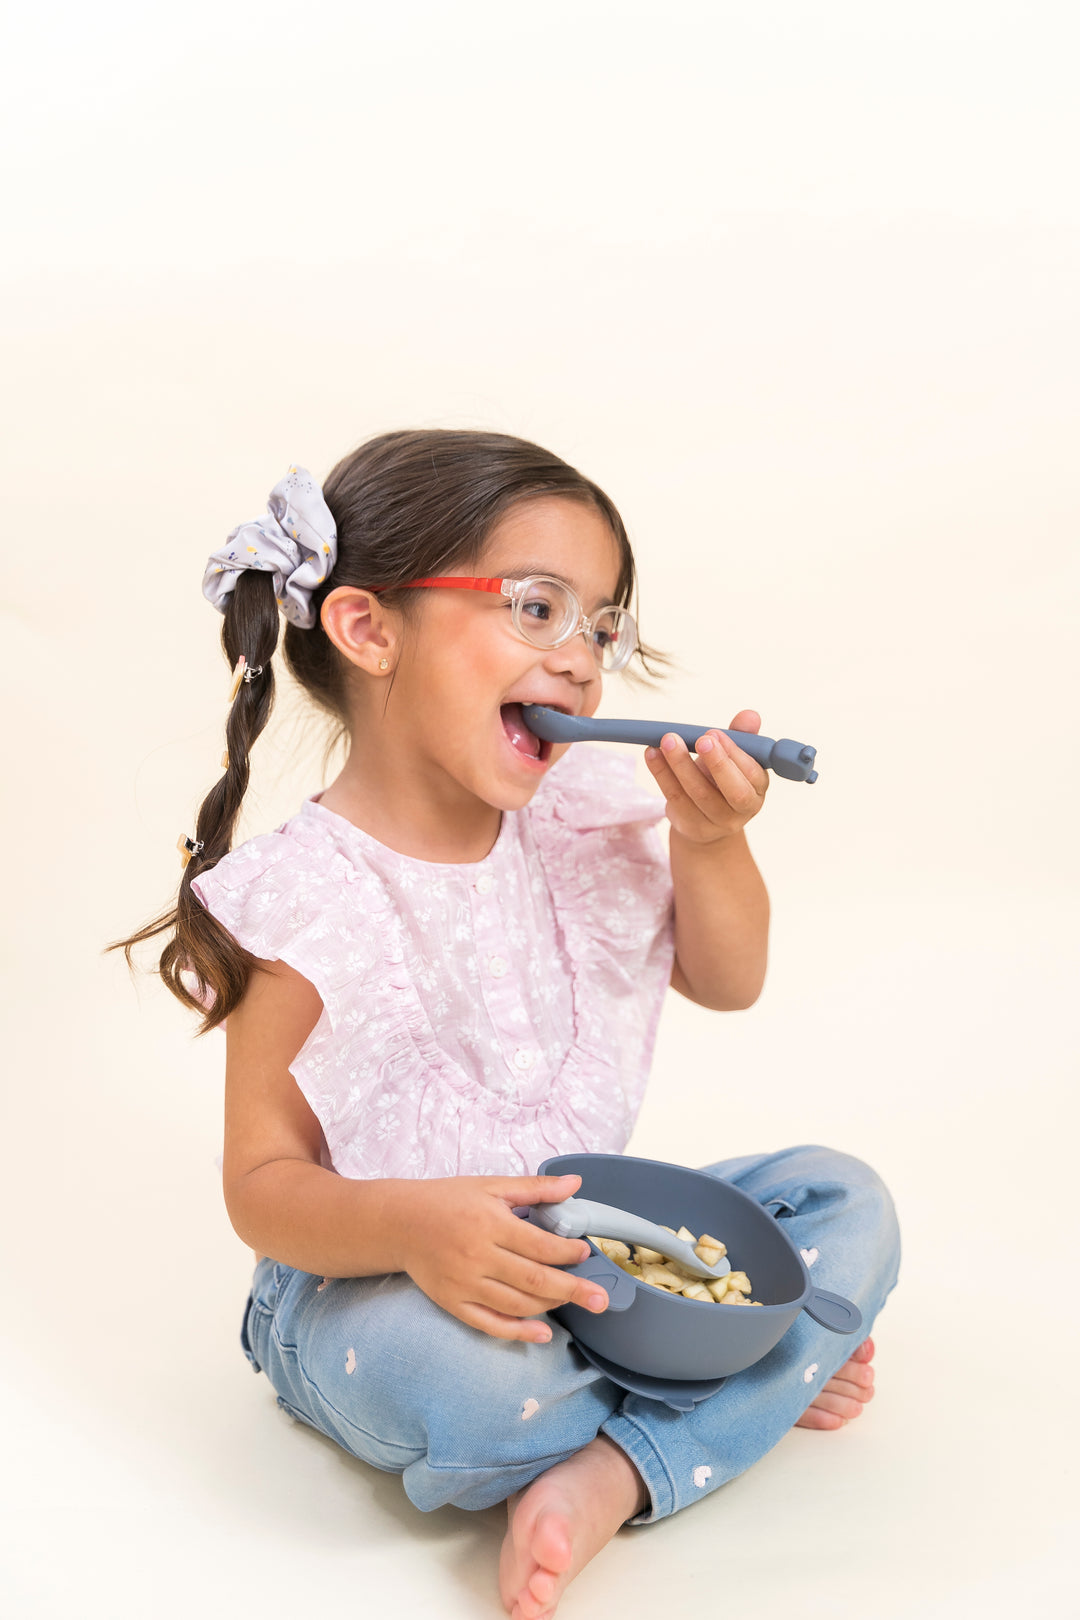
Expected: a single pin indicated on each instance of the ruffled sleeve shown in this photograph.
(282, 900)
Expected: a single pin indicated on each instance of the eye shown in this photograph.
(537, 609)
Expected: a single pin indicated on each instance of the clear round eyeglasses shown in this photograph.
(547, 613)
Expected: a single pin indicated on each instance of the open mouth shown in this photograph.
(521, 739)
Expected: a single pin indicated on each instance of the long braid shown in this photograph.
(201, 946)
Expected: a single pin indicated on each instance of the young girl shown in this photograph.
(448, 967)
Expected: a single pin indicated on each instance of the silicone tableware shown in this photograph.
(666, 1336)
(577, 1217)
(793, 760)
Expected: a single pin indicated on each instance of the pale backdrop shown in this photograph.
(797, 286)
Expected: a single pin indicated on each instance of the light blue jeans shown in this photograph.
(469, 1419)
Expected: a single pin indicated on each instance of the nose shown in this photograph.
(575, 658)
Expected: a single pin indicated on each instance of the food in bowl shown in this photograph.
(656, 1269)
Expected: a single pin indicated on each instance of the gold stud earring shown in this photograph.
(384, 663)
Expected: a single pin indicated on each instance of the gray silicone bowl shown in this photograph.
(666, 1336)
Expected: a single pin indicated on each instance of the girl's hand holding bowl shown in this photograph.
(716, 794)
(472, 1255)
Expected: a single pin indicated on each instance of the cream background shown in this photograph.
(798, 287)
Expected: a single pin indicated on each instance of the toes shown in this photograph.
(529, 1607)
(542, 1586)
(815, 1418)
(854, 1379)
(839, 1405)
(551, 1545)
(854, 1392)
(865, 1352)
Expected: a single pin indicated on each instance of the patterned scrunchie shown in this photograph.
(296, 541)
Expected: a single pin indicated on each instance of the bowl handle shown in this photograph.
(833, 1311)
(616, 1283)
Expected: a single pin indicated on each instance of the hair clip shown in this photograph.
(243, 672)
(237, 676)
(189, 847)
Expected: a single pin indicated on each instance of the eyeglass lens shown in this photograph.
(547, 613)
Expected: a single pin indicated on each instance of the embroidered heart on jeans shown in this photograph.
(808, 1375)
(809, 1255)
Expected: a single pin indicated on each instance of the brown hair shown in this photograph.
(406, 505)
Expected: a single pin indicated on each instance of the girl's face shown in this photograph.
(463, 671)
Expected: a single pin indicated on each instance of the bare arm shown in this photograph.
(721, 905)
(721, 923)
(279, 1197)
(456, 1236)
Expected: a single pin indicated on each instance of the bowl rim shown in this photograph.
(667, 1164)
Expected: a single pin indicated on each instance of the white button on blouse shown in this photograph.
(523, 1059)
(484, 883)
(497, 966)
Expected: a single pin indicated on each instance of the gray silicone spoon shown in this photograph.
(580, 1217)
(794, 760)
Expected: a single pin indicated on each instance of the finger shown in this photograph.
(497, 1326)
(534, 1296)
(740, 779)
(528, 1242)
(540, 1286)
(536, 1189)
(686, 778)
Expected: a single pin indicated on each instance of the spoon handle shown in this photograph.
(785, 757)
(580, 1217)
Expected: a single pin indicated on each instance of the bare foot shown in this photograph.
(844, 1396)
(561, 1521)
(567, 1515)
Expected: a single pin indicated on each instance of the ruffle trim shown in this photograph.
(372, 1069)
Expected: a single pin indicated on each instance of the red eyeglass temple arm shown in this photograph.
(460, 581)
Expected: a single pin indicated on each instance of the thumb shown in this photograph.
(746, 720)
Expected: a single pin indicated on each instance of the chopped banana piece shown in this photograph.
(612, 1248)
(661, 1271)
(627, 1266)
(666, 1278)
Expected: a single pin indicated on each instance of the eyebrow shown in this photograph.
(524, 569)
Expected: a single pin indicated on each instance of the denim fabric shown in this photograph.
(468, 1419)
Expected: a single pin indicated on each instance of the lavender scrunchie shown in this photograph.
(296, 541)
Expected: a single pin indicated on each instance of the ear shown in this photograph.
(360, 627)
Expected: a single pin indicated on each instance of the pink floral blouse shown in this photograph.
(477, 1018)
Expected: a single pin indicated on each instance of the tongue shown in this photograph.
(521, 738)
